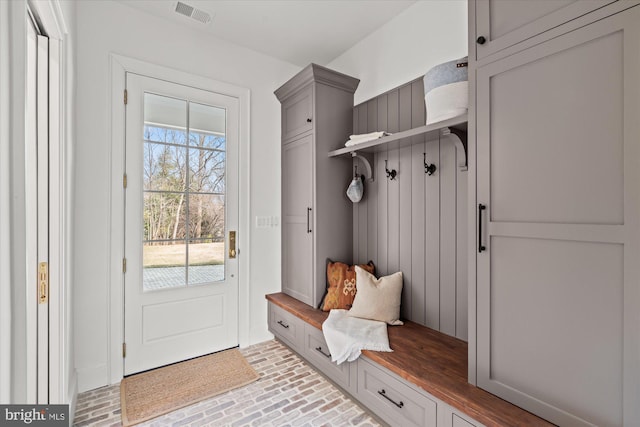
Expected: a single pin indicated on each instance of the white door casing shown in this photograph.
(169, 325)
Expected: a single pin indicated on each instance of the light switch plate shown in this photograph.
(267, 221)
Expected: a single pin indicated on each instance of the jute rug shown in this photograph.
(154, 393)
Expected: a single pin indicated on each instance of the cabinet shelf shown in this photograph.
(455, 125)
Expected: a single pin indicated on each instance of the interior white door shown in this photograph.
(181, 203)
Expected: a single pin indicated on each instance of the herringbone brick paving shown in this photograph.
(289, 393)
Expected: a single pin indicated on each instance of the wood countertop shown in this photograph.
(435, 362)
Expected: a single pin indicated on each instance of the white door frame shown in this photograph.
(120, 65)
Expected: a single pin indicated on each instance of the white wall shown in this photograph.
(105, 27)
(425, 34)
(13, 290)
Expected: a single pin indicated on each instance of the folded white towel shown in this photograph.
(347, 336)
(365, 137)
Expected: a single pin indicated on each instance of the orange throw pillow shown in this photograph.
(341, 284)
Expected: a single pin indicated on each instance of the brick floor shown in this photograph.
(288, 393)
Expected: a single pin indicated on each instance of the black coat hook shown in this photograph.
(391, 174)
(429, 169)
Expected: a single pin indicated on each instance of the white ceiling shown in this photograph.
(295, 31)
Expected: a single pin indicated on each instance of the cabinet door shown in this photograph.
(503, 23)
(297, 114)
(297, 223)
(558, 154)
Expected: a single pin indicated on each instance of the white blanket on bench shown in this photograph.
(346, 336)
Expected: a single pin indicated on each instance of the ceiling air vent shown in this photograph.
(191, 12)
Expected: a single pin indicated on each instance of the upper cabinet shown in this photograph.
(504, 23)
(297, 114)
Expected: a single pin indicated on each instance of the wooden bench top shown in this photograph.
(433, 361)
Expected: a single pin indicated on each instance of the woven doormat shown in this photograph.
(154, 393)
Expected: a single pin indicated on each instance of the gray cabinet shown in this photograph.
(316, 113)
(504, 23)
(557, 245)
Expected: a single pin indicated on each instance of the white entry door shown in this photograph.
(181, 210)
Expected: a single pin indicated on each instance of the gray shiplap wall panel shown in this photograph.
(393, 109)
(416, 223)
(417, 109)
(462, 325)
(432, 239)
(356, 206)
(393, 212)
(418, 292)
(405, 105)
(372, 220)
(405, 184)
(363, 229)
(383, 101)
(448, 238)
(372, 116)
(380, 186)
(363, 117)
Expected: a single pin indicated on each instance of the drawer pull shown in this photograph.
(309, 120)
(384, 394)
(319, 349)
(284, 325)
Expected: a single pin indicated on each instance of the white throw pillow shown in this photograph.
(377, 299)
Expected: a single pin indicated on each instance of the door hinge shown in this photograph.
(43, 283)
(124, 349)
(124, 180)
(124, 265)
(125, 97)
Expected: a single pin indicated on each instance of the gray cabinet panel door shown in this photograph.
(504, 23)
(297, 114)
(558, 300)
(297, 219)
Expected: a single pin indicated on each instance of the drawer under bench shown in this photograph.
(421, 383)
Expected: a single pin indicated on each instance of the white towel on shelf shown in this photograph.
(365, 137)
(347, 336)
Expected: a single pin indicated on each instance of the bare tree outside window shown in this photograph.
(184, 187)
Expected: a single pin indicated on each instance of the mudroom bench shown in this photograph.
(423, 382)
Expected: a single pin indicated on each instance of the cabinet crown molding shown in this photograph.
(314, 73)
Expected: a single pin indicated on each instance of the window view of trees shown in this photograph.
(184, 185)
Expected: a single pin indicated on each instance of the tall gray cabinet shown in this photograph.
(317, 117)
(557, 208)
